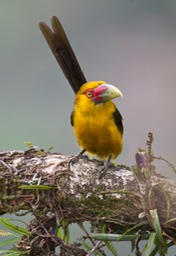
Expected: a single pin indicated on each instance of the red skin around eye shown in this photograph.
(98, 91)
(89, 91)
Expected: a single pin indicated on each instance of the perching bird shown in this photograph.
(96, 120)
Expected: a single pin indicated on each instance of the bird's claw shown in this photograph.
(105, 169)
(73, 161)
(103, 172)
(75, 158)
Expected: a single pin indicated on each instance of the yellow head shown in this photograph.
(98, 92)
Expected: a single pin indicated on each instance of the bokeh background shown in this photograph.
(128, 43)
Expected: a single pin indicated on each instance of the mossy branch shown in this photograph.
(77, 194)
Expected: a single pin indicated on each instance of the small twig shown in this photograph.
(137, 240)
(11, 168)
(169, 237)
(23, 213)
(149, 151)
(94, 248)
(87, 234)
(56, 239)
(167, 162)
(92, 241)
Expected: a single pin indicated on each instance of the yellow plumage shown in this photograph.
(94, 124)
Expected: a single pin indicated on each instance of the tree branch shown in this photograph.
(120, 199)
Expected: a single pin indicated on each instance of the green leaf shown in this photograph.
(161, 248)
(103, 228)
(64, 231)
(60, 233)
(117, 237)
(34, 187)
(156, 224)
(171, 220)
(164, 248)
(156, 250)
(4, 233)
(14, 227)
(28, 144)
(14, 251)
(133, 245)
(150, 244)
(88, 248)
(142, 223)
(11, 252)
(9, 241)
(67, 234)
(111, 248)
(50, 149)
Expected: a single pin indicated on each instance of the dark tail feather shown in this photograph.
(62, 50)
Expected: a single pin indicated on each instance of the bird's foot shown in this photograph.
(75, 158)
(104, 170)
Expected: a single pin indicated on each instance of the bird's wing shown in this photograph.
(118, 120)
(63, 52)
(71, 118)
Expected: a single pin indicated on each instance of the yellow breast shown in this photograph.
(95, 128)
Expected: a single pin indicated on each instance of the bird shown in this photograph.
(96, 121)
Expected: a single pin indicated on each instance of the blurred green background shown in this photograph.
(128, 43)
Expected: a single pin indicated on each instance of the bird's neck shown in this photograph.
(90, 108)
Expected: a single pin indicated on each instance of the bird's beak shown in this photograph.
(105, 92)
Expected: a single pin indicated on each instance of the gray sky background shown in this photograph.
(128, 43)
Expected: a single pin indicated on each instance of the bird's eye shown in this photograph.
(89, 93)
